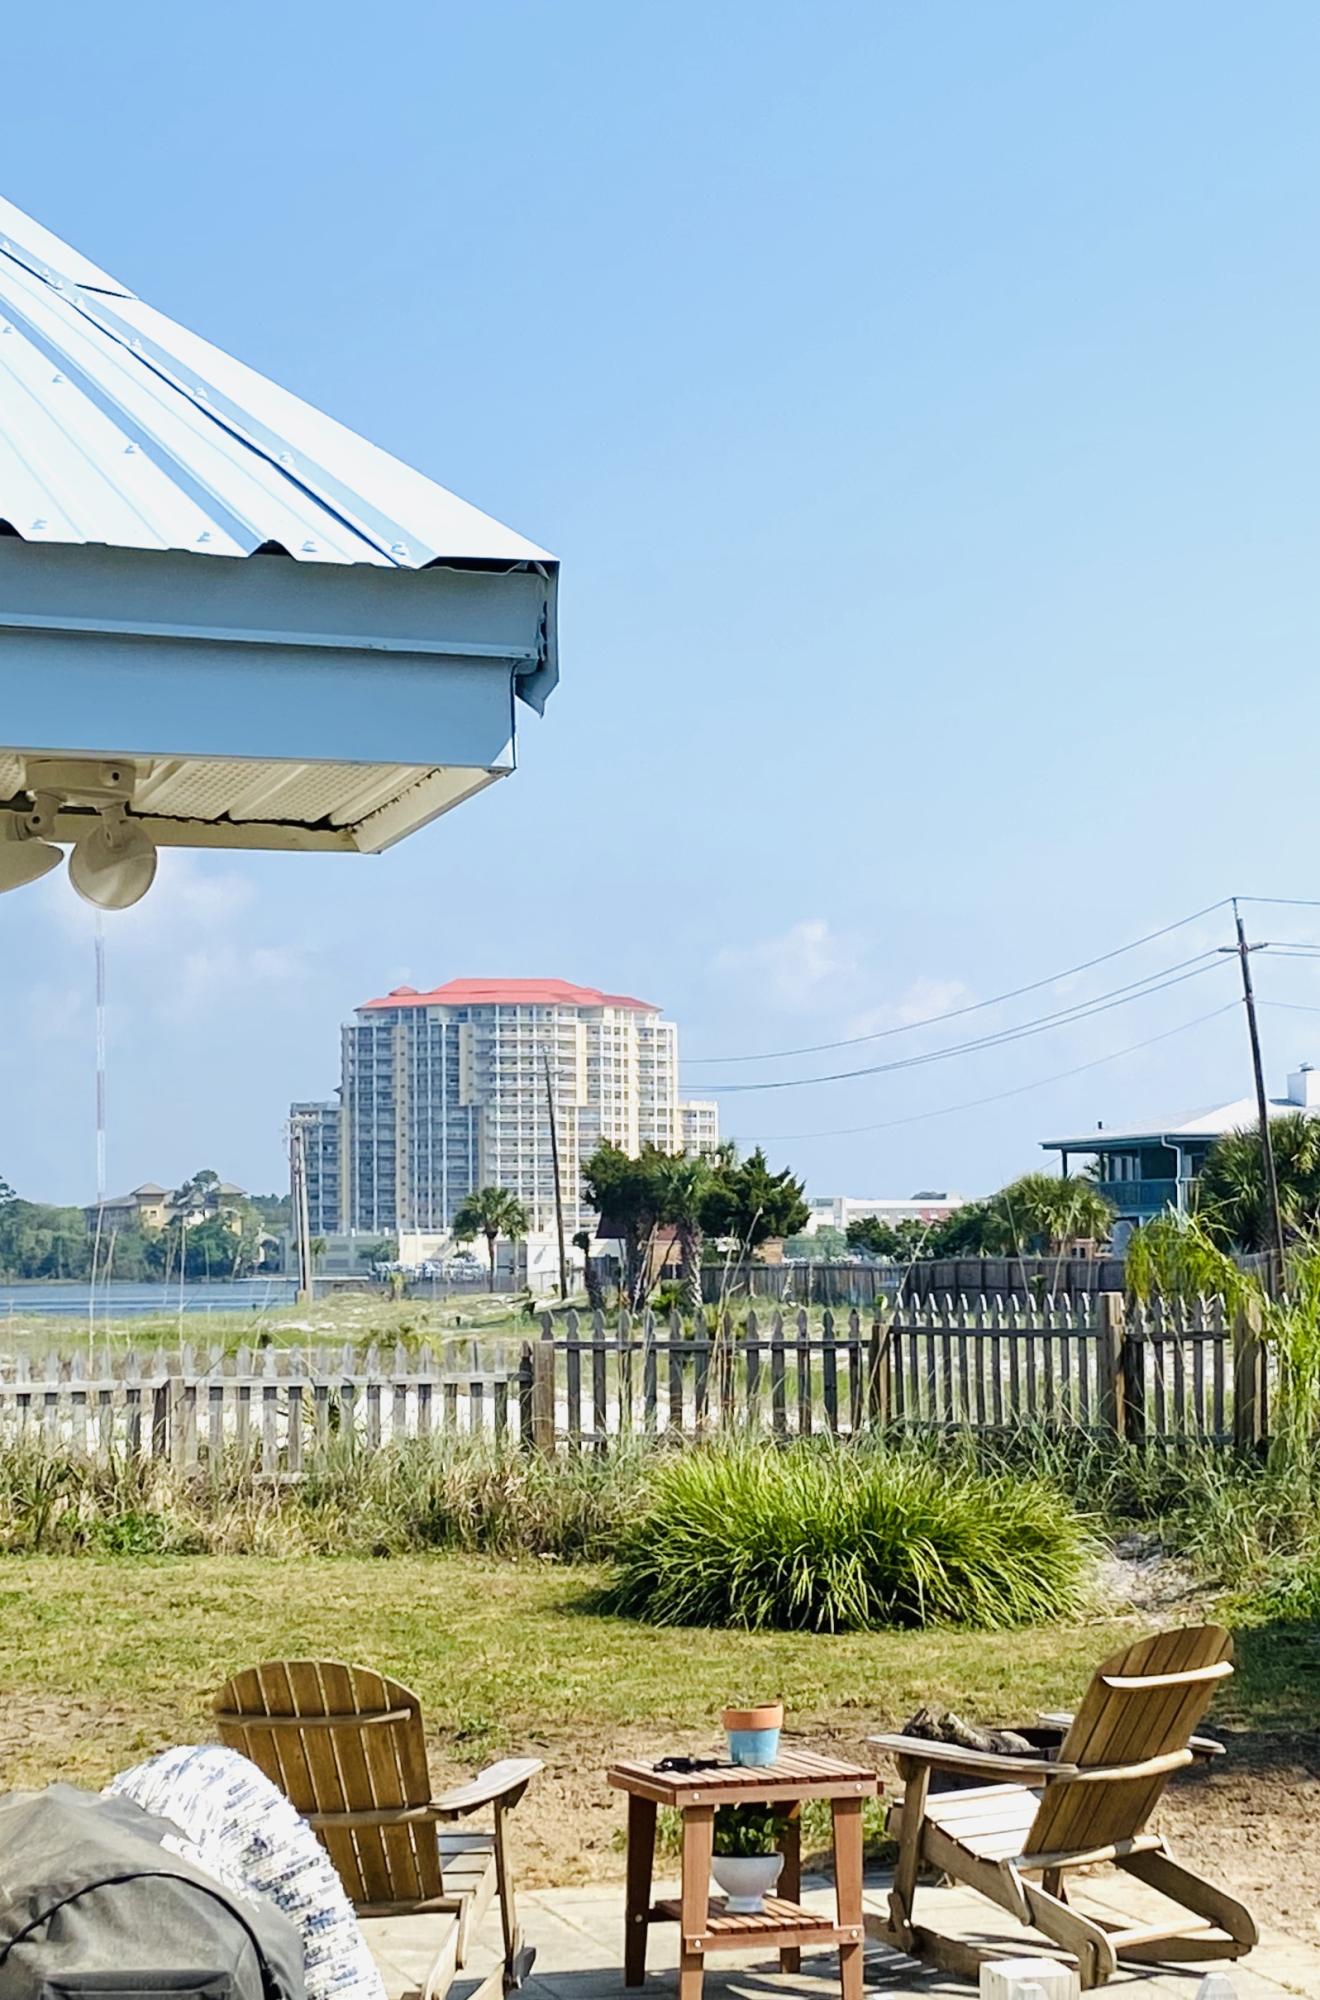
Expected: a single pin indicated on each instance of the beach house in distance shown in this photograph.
(1149, 1168)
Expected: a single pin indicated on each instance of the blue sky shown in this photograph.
(922, 402)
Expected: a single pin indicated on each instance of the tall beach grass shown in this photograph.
(837, 1538)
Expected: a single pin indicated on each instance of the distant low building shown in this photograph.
(1145, 1169)
(836, 1211)
(151, 1207)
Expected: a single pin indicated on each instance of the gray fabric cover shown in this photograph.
(87, 1888)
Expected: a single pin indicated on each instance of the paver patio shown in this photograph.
(578, 1934)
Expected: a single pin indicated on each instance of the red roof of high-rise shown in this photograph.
(508, 993)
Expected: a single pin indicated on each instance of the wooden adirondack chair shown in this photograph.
(1086, 1802)
(348, 1749)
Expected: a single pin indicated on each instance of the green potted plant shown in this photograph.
(747, 1858)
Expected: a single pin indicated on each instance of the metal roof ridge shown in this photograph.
(221, 409)
(16, 222)
(299, 478)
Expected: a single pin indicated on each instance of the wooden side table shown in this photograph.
(704, 1923)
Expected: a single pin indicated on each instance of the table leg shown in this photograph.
(790, 1880)
(848, 1890)
(637, 1912)
(698, 1841)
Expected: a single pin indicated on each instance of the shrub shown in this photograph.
(1291, 1596)
(846, 1539)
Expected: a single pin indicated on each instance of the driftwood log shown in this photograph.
(941, 1725)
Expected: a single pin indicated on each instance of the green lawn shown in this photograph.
(103, 1659)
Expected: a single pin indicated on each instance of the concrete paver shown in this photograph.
(578, 1934)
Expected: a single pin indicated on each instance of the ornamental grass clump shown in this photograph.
(841, 1539)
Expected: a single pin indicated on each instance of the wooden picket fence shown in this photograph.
(1155, 1373)
(272, 1403)
(1158, 1374)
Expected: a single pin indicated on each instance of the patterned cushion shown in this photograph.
(243, 1831)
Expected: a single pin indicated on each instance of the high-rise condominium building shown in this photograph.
(447, 1091)
(699, 1125)
(321, 1125)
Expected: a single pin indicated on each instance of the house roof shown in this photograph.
(507, 993)
(1206, 1124)
(151, 1188)
(123, 428)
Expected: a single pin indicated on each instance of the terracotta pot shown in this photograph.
(753, 1733)
(766, 1715)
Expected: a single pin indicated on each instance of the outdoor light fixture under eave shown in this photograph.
(281, 636)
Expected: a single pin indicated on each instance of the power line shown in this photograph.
(973, 1006)
(1121, 997)
(997, 1096)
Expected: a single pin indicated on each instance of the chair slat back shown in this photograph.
(343, 1740)
(1142, 1705)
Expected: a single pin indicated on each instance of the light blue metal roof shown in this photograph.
(119, 427)
(350, 684)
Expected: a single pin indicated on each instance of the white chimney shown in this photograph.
(1304, 1088)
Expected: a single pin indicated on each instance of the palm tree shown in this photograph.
(1230, 1192)
(1040, 1208)
(490, 1212)
(1081, 1213)
(685, 1181)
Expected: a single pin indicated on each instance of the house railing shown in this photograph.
(1144, 1197)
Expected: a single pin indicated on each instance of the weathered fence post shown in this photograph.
(877, 1374)
(1136, 1341)
(1111, 1373)
(525, 1396)
(543, 1392)
(1248, 1378)
(161, 1398)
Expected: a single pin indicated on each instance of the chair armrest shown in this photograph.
(972, 1763)
(502, 1783)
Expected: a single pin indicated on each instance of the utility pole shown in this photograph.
(301, 1219)
(554, 1161)
(1244, 951)
(100, 1130)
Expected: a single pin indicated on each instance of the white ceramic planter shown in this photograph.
(746, 1879)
